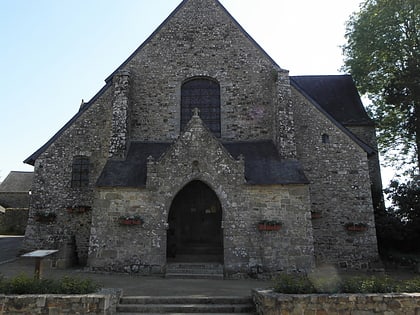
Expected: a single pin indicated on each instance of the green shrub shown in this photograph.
(324, 284)
(23, 284)
(410, 286)
(293, 284)
(369, 285)
(302, 284)
(70, 285)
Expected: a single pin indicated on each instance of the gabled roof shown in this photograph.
(263, 165)
(337, 95)
(177, 9)
(31, 159)
(17, 182)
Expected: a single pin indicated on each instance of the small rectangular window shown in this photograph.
(80, 172)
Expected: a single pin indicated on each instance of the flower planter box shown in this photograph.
(130, 222)
(265, 227)
(316, 215)
(44, 218)
(358, 227)
(78, 209)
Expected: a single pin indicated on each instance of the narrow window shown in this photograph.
(325, 138)
(204, 94)
(80, 172)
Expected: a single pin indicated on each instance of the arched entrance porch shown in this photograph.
(195, 219)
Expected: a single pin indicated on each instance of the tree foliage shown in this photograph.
(383, 55)
(405, 201)
(399, 226)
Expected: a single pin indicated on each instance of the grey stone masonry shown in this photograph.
(340, 189)
(282, 187)
(120, 115)
(197, 155)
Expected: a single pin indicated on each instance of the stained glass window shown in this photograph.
(204, 94)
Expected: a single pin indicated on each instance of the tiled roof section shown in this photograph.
(17, 182)
(133, 170)
(263, 165)
(337, 95)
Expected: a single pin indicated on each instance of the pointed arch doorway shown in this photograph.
(195, 220)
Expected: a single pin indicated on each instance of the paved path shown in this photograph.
(9, 247)
(131, 285)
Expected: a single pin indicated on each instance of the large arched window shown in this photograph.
(204, 94)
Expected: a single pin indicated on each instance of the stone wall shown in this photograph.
(13, 221)
(95, 304)
(367, 134)
(269, 303)
(197, 155)
(87, 135)
(202, 40)
(340, 189)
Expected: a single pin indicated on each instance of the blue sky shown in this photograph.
(57, 52)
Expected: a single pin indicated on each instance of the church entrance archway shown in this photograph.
(195, 219)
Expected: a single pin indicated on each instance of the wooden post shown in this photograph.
(38, 268)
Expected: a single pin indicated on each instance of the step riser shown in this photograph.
(185, 305)
(193, 276)
(147, 309)
(185, 300)
(197, 266)
(186, 270)
(194, 271)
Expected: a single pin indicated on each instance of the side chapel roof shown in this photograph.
(263, 165)
(337, 94)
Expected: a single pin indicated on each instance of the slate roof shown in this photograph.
(263, 165)
(17, 182)
(132, 171)
(337, 95)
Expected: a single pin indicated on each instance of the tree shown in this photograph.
(399, 226)
(383, 55)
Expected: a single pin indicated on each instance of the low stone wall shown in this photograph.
(13, 221)
(103, 304)
(270, 303)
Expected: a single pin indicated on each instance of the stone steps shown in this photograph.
(185, 305)
(194, 271)
(200, 250)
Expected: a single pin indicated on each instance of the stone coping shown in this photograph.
(271, 303)
(103, 303)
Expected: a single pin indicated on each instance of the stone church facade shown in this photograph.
(199, 137)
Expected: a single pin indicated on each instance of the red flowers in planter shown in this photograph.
(266, 225)
(356, 227)
(130, 220)
(315, 215)
(45, 216)
(78, 209)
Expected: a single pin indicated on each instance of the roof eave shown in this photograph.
(32, 159)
